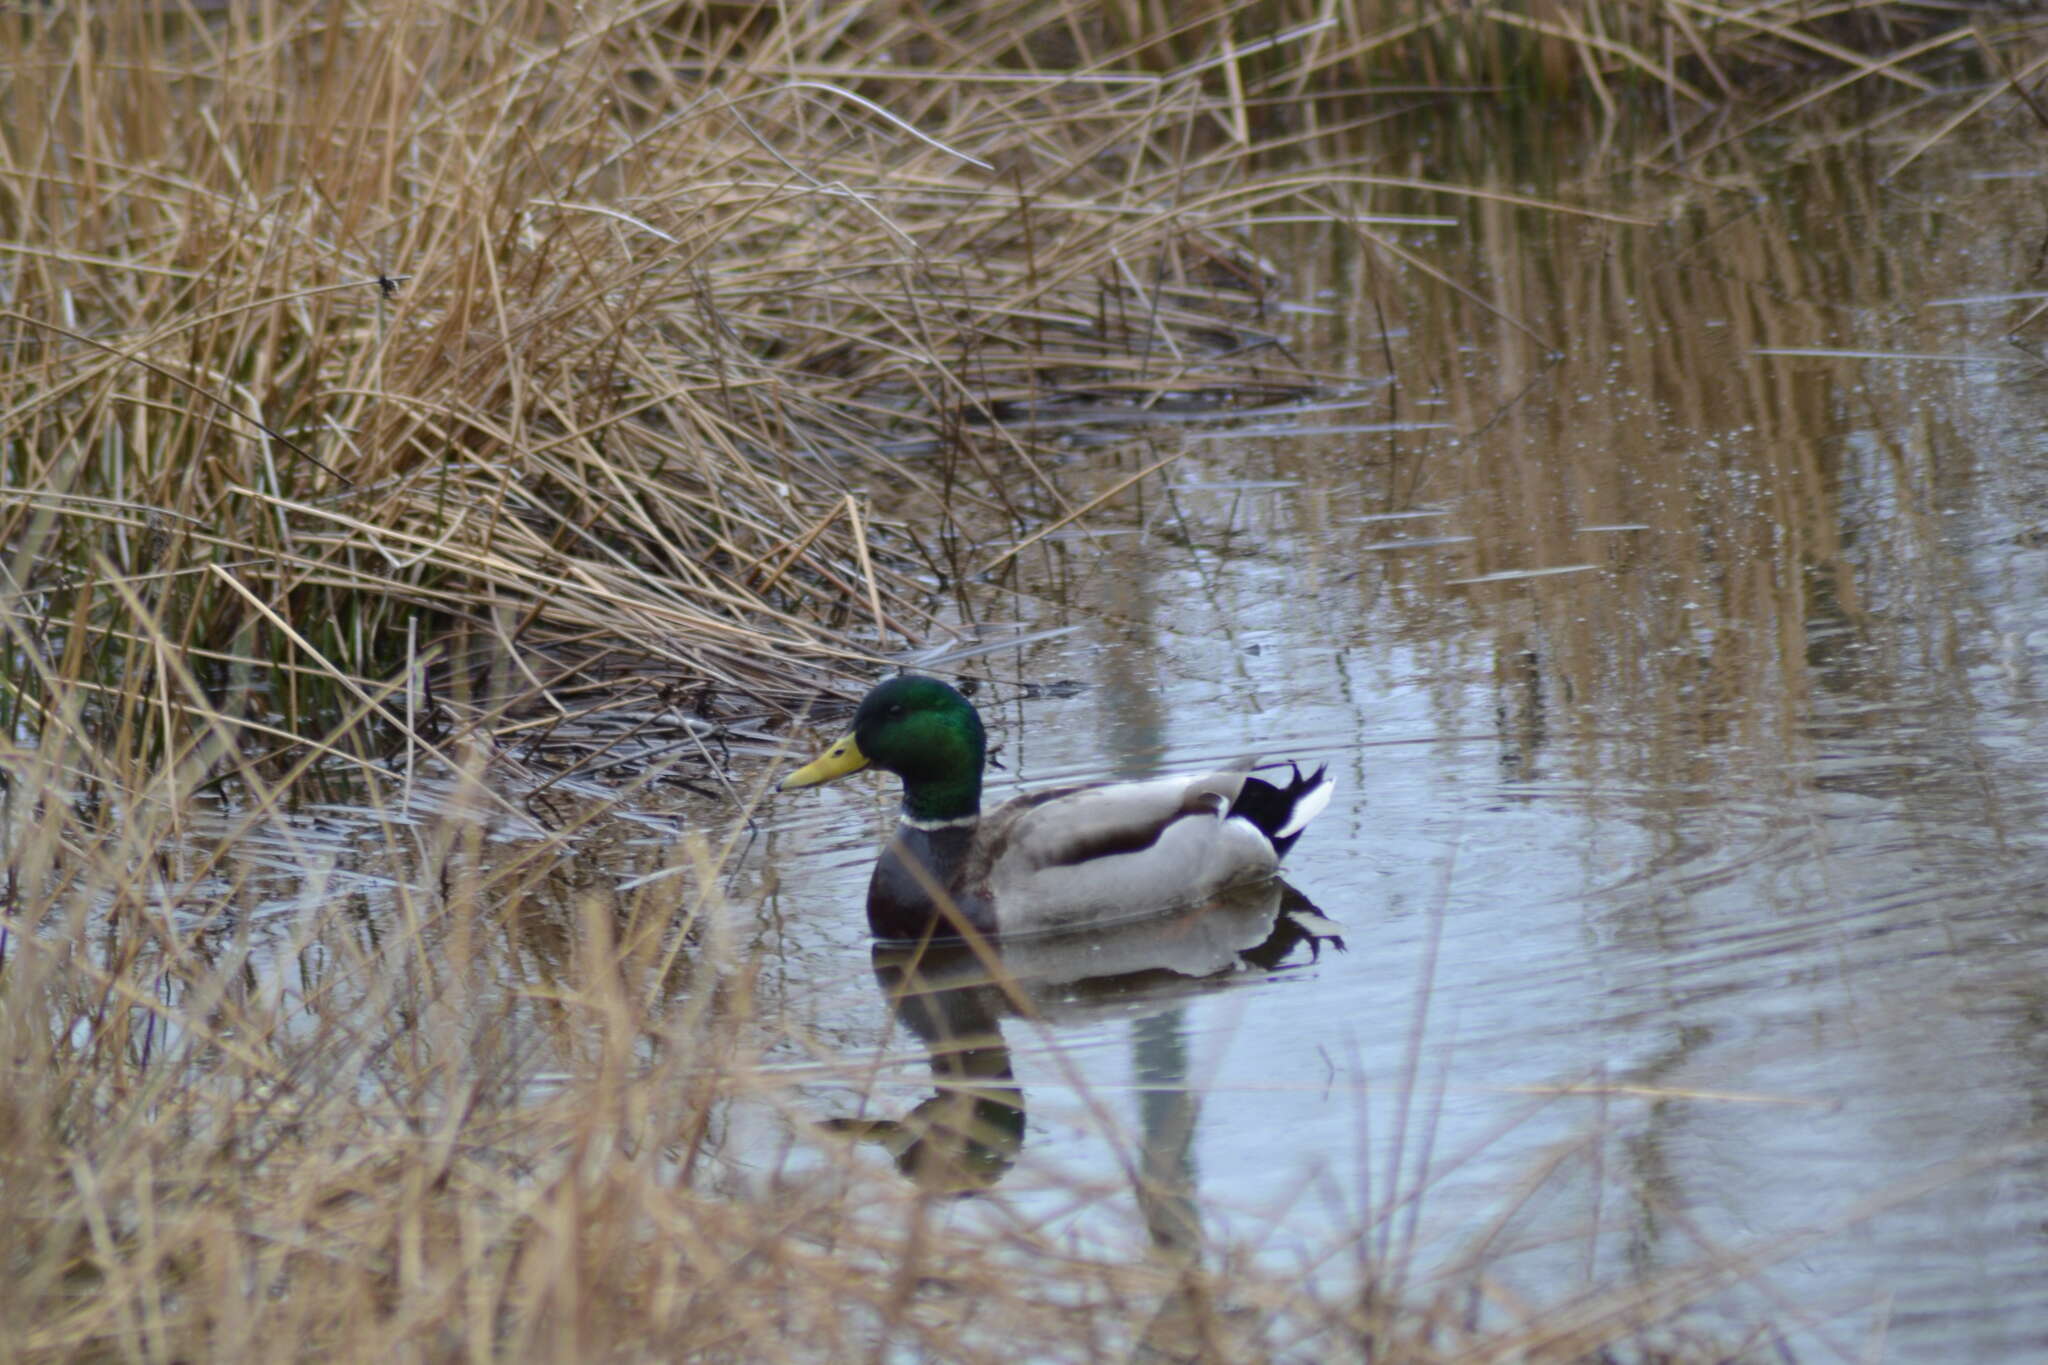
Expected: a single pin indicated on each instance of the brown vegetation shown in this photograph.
(459, 370)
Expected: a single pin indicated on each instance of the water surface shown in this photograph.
(1669, 607)
(1693, 889)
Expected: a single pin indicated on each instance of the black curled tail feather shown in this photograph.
(1282, 811)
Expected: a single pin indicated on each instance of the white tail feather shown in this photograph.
(1308, 806)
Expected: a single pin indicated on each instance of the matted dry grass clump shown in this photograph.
(550, 343)
(570, 331)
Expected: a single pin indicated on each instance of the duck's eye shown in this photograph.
(896, 712)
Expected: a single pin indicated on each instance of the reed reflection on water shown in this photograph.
(1683, 701)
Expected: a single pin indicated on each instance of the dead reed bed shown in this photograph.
(415, 1091)
(508, 352)
(525, 354)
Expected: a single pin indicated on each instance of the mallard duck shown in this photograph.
(1056, 859)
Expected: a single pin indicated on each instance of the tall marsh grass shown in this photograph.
(338, 336)
(419, 1082)
(519, 348)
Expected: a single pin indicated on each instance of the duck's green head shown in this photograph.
(921, 730)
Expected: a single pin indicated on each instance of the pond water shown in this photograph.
(1694, 892)
(1674, 625)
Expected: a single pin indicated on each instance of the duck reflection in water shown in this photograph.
(953, 996)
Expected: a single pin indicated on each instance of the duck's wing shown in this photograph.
(1081, 855)
(1067, 826)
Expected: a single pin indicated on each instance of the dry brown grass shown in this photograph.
(475, 1103)
(357, 336)
(559, 343)
(456, 370)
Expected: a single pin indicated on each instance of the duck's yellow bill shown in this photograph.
(839, 760)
